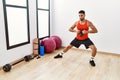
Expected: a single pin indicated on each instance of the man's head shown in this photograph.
(81, 15)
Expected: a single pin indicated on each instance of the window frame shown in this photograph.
(6, 24)
(37, 9)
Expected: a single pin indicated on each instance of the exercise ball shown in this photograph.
(49, 45)
(58, 41)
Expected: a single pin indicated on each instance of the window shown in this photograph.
(16, 22)
(43, 18)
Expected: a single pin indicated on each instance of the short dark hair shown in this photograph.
(81, 11)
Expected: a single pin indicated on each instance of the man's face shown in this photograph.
(81, 16)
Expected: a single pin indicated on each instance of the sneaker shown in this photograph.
(58, 56)
(92, 63)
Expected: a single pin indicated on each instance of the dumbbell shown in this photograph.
(28, 58)
(8, 67)
(81, 34)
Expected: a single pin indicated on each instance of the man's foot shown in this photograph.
(58, 56)
(92, 63)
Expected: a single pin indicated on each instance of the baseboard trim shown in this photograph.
(101, 52)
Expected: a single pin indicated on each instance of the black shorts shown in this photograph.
(87, 42)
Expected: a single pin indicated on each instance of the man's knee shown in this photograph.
(93, 47)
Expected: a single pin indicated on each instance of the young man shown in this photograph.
(82, 31)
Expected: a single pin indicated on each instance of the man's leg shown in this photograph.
(74, 43)
(64, 51)
(94, 51)
(67, 48)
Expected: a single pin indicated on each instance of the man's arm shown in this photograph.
(93, 28)
(71, 29)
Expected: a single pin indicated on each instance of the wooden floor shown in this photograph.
(73, 66)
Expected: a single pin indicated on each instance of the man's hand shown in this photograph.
(84, 31)
(78, 31)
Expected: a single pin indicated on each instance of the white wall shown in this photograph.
(10, 55)
(103, 13)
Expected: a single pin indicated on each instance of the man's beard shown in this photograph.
(82, 19)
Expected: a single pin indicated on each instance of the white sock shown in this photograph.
(92, 58)
(61, 53)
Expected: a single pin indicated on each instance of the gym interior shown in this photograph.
(32, 32)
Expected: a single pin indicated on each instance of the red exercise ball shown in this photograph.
(58, 41)
(49, 45)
